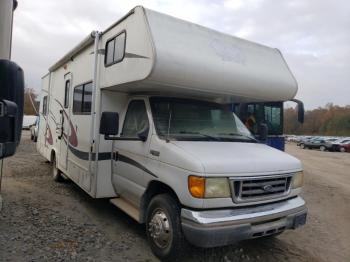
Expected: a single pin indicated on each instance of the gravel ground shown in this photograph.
(46, 221)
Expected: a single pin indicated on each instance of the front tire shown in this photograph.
(322, 148)
(56, 173)
(342, 149)
(163, 228)
(302, 146)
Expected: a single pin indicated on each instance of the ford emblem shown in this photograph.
(267, 188)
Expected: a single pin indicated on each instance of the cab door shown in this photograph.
(130, 155)
(64, 126)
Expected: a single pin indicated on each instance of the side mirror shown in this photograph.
(11, 106)
(143, 135)
(301, 110)
(109, 125)
(263, 132)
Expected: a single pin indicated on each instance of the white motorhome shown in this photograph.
(181, 161)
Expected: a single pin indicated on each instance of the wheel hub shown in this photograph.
(159, 229)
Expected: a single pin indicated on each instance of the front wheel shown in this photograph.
(302, 146)
(164, 231)
(342, 149)
(322, 148)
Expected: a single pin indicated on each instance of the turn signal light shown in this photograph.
(196, 186)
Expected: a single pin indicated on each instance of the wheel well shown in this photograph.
(154, 188)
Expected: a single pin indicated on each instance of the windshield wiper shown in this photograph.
(241, 135)
(201, 134)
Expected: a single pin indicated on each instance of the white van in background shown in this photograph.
(28, 121)
(139, 114)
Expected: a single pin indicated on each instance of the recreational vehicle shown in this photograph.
(141, 113)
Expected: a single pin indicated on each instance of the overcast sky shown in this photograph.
(313, 35)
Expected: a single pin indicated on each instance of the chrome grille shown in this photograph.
(245, 189)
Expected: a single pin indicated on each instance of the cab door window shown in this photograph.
(136, 119)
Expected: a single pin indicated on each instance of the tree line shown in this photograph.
(331, 120)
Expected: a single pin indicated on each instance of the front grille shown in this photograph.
(246, 189)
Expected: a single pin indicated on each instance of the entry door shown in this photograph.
(130, 156)
(65, 120)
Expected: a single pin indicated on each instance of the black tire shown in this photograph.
(164, 209)
(56, 173)
(322, 148)
(35, 139)
(32, 137)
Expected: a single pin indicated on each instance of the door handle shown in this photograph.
(115, 156)
(154, 152)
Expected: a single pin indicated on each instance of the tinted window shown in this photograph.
(119, 47)
(109, 52)
(273, 119)
(87, 97)
(82, 98)
(115, 49)
(136, 120)
(45, 105)
(77, 99)
(66, 94)
(194, 120)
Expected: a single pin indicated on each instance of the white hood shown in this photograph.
(239, 158)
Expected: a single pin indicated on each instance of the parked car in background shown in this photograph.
(28, 121)
(317, 143)
(344, 147)
(335, 145)
(34, 130)
(303, 139)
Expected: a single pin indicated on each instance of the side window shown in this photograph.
(87, 96)
(273, 117)
(136, 119)
(45, 105)
(115, 49)
(66, 93)
(82, 98)
(77, 99)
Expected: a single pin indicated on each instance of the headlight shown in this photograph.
(201, 187)
(298, 180)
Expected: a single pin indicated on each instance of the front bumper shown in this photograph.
(211, 228)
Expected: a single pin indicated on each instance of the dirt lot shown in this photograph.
(45, 221)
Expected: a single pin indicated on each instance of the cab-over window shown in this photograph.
(115, 49)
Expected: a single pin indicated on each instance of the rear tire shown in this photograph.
(56, 173)
(342, 149)
(163, 228)
(302, 146)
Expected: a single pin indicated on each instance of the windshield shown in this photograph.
(194, 120)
